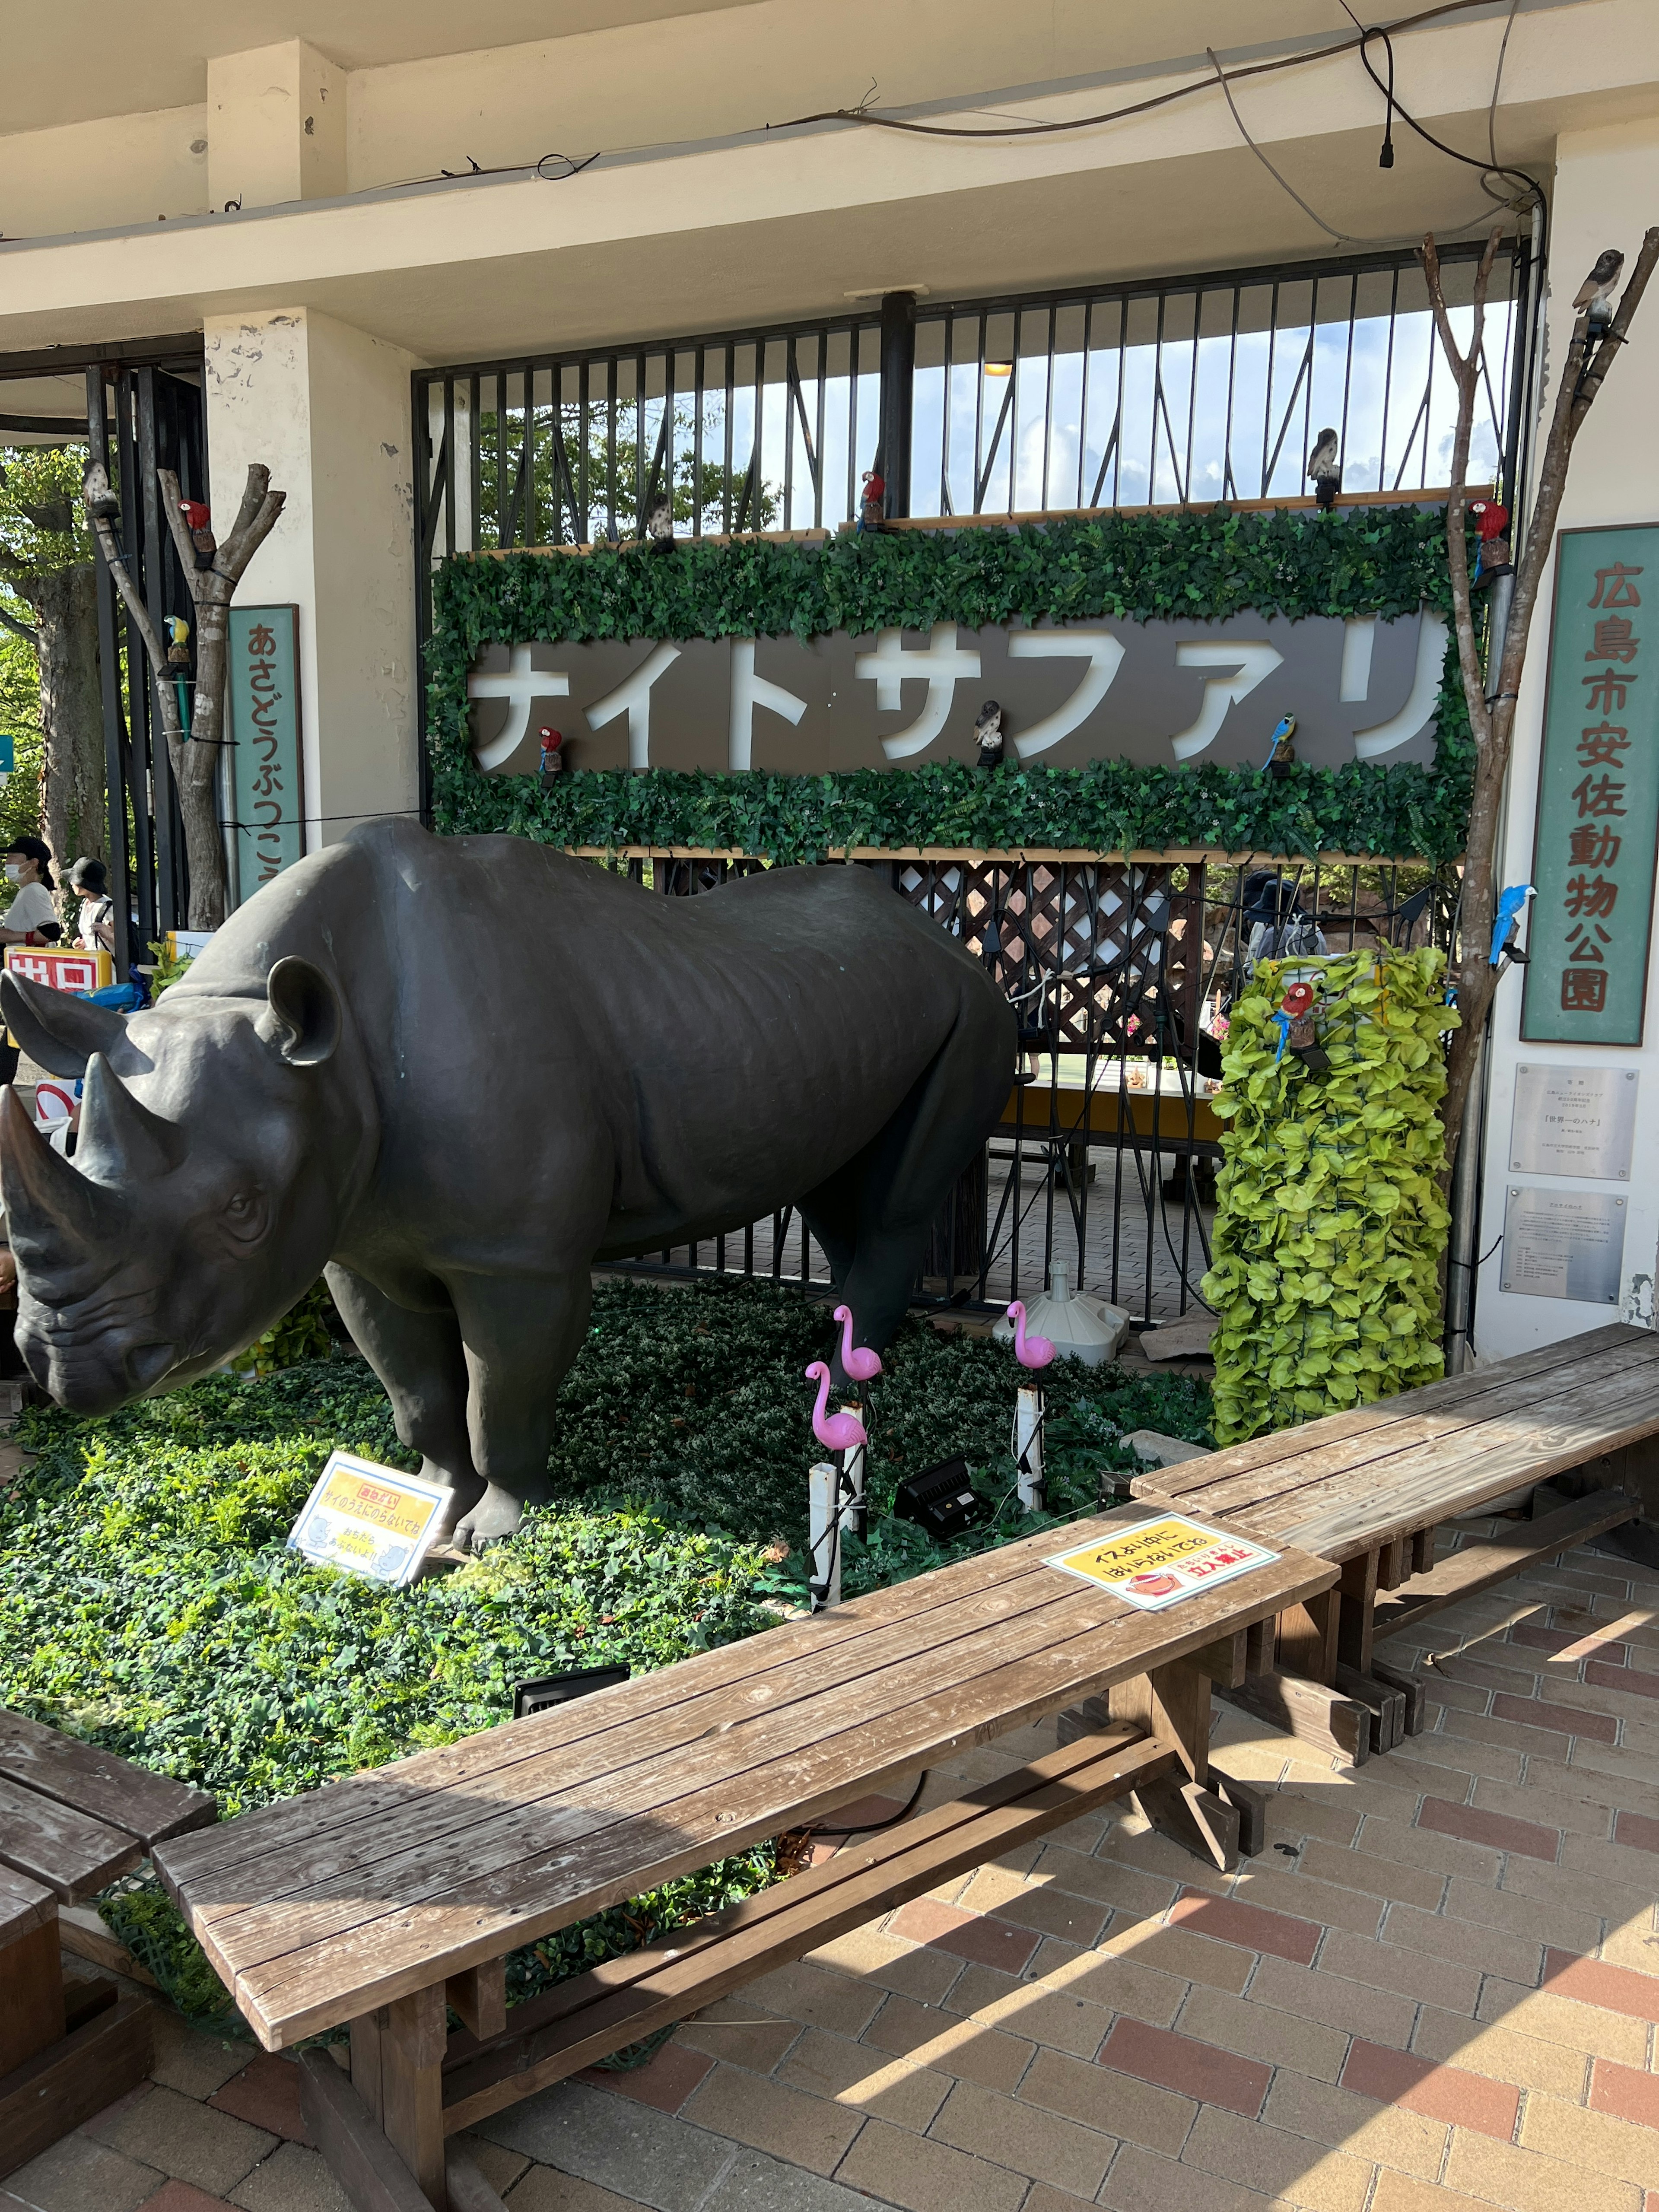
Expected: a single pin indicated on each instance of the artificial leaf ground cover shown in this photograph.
(147, 1603)
(1384, 561)
(1326, 1244)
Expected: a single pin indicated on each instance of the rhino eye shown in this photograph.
(244, 1214)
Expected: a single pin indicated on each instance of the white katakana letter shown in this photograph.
(632, 697)
(1250, 664)
(1105, 657)
(522, 686)
(749, 691)
(1419, 710)
(940, 663)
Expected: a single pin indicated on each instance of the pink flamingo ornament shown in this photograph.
(835, 1431)
(858, 1364)
(1030, 1351)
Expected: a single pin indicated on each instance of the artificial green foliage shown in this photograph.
(1384, 561)
(1327, 1243)
(147, 1603)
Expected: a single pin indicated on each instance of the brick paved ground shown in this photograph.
(1437, 1985)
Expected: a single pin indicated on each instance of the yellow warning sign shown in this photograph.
(1158, 1563)
(370, 1520)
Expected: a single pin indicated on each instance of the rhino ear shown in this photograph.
(58, 1031)
(307, 1010)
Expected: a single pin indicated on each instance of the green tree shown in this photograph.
(48, 601)
(20, 719)
(610, 477)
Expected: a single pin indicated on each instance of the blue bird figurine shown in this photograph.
(1510, 907)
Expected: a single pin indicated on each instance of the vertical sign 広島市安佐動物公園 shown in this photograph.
(1598, 793)
(266, 784)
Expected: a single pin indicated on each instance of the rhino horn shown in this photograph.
(58, 1030)
(54, 1216)
(122, 1141)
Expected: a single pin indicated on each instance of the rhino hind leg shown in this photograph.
(873, 1217)
(420, 1358)
(520, 1334)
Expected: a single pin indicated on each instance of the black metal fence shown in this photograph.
(1122, 973)
(1196, 389)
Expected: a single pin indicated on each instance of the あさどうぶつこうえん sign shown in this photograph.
(266, 779)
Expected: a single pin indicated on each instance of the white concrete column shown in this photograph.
(1607, 187)
(327, 408)
(276, 126)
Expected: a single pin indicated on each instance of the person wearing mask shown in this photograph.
(95, 930)
(32, 914)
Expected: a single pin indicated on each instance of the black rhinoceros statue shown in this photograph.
(454, 1073)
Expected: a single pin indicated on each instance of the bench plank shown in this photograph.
(147, 1806)
(74, 1856)
(1479, 1567)
(450, 1858)
(625, 1999)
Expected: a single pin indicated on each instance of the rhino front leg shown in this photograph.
(418, 1357)
(520, 1335)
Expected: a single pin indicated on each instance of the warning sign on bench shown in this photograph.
(1159, 1563)
(369, 1520)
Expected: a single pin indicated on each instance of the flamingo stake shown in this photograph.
(835, 1431)
(858, 1364)
(1030, 1351)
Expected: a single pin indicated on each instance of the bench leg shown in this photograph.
(1307, 1637)
(1358, 1613)
(31, 1993)
(397, 2069)
(1174, 1702)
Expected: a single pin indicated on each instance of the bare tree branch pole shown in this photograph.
(22, 629)
(194, 755)
(1493, 726)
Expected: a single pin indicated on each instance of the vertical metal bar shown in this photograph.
(139, 714)
(149, 568)
(725, 472)
(1228, 481)
(1387, 382)
(696, 452)
(115, 724)
(475, 459)
(449, 464)
(898, 375)
(823, 386)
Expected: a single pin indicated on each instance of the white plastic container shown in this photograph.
(1078, 1326)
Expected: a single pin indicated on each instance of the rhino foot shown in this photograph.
(495, 1516)
(467, 1489)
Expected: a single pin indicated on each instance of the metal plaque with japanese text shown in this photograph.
(1574, 1121)
(1598, 793)
(266, 788)
(1563, 1244)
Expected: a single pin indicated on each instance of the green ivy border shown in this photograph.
(1376, 559)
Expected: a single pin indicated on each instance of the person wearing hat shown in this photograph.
(95, 928)
(32, 915)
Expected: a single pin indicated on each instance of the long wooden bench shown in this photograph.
(387, 1900)
(1369, 1488)
(72, 1819)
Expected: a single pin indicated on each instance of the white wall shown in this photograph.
(327, 408)
(1606, 191)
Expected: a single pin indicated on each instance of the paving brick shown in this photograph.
(769, 2116)
(1558, 1796)
(267, 2095)
(190, 2059)
(1086, 1875)
(965, 2050)
(1522, 2179)
(1118, 2104)
(1563, 1643)
(1500, 1667)
(1277, 1885)
(1293, 1815)
(183, 2139)
(1502, 2053)
(1615, 1988)
(1622, 1876)
(664, 2081)
(1501, 1829)
(977, 1987)
(1329, 1998)
(1635, 1946)
(1399, 2193)
(1230, 1920)
(1040, 2144)
(179, 2197)
(1276, 2165)
(1343, 2121)
(740, 2031)
(1141, 2181)
(1576, 2026)
(1474, 1743)
(1044, 2199)
(992, 1942)
(1373, 1876)
(1467, 1942)
(544, 2189)
(816, 1998)
(501, 2168)
(294, 2179)
(1050, 1910)
(1551, 1738)
(1406, 1972)
(1559, 1717)
(924, 2176)
(1600, 2140)
(754, 2182)
(1258, 2031)
(1440, 2092)
(1629, 2093)
(1057, 2016)
(1636, 1832)
(77, 2173)
(636, 2153)
(1633, 1681)
(1177, 1952)
(888, 1960)
(1424, 1847)
(1120, 1984)
(1190, 2067)
(865, 2080)
(1570, 1924)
